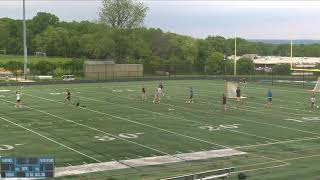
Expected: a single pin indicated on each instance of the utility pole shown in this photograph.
(235, 54)
(25, 50)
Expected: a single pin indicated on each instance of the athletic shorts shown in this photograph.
(191, 96)
(270, 99)
(238, 95)
(19, 100)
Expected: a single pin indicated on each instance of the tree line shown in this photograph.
(45, 67)
(120, 36)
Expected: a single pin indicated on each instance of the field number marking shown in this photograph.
(4, 147)
(122, 135)
(220, 127)
(304, 119)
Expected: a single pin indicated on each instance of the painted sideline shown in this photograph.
(148, 161)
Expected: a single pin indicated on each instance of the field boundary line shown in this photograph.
(161, 128)
(147, 161)
(135, 122)
(264, 168)
(280, 142)
(251, 107)
(206, 91)
(241, 119)
(92, 128)
(183, 119)
(206, 95)
(292, 109)
(47, 138)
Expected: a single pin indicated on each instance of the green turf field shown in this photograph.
(281, 141)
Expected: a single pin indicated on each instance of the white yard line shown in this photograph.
(183, 119)
(275, 143)
(250, 102)
(136, 122)
(152, 126)
(281, 142)
(236, 118)
(259, 169)
(147, 161)
(45, 137)
(214, 92)
(194, 121)
(92, 128)
(288, 159)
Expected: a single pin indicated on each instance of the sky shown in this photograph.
(247, 19)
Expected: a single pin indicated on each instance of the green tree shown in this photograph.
(4, 35)
(13, 66)
(42, 21)
(74, 67)
(44, 68)
(123, 14)
(53, 41)
(245, 66)
(281, 69)
(215, 63)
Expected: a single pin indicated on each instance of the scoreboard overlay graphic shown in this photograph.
(20, 167)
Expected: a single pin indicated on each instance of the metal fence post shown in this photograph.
(303, 79)
(272, 76)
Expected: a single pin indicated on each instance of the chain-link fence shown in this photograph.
(301, 79)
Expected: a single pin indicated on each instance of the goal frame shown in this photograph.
(227, 89)
(314, 89)
(298, 69)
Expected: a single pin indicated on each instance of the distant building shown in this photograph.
(102, 70)
(297, 61)
(250, 56)
(265, 63)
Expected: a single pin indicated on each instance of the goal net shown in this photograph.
(317, 86)
(231, 88)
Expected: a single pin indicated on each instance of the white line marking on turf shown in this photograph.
(169, 115)
(50, 139)
(174, 117)
(146, 161)
(281, 142)
(68, 120)
(295, 120)
(257, 122)
(136, 122)
(264, 168)
(260, 137)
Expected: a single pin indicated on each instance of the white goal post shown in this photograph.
(231, 88)
(317, 86)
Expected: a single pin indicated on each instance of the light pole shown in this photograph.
(235, 55)
(225, 65)
(25, 50)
